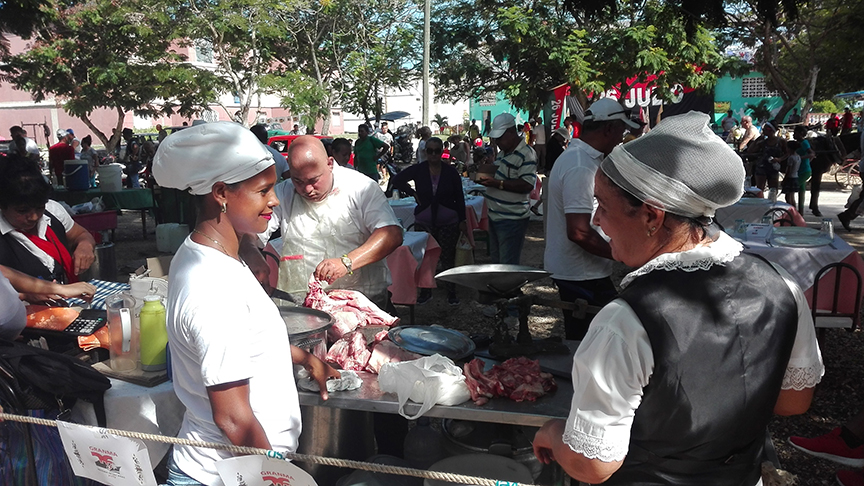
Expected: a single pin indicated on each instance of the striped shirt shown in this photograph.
(521, 163)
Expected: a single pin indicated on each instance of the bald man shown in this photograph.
(335, 223)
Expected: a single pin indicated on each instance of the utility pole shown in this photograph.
(426, 16)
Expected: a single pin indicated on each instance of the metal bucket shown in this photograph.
(105, 265)
(334, 432)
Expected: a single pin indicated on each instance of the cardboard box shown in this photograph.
(158, 267)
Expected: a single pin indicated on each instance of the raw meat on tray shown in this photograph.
(519, 379)
(350, 309)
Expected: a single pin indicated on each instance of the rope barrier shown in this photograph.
(326, 461)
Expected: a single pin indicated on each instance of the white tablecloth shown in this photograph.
(750, 210)
(155, 410)
(405, 212)
(802, 263)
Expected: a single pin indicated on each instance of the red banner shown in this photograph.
(558, 104)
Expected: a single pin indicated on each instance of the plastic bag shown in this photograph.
(464, 251)
(428, 381)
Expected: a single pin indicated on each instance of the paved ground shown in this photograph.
(831, 202)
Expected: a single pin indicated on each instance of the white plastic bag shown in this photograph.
(429, 381)
(464, 252)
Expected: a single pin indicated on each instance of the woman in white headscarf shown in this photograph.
(704, 341)
(231, 359)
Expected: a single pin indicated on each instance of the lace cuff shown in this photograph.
(594, 447)
(797, 378)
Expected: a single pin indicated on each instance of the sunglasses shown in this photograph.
(433, 151)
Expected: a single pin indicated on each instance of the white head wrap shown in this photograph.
(680, 166)
(198, 157)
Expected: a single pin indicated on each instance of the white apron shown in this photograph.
(322, 230)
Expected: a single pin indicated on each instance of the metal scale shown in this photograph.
(501, 285)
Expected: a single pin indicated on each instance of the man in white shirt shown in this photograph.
(336, 224)
(31, 147)
(576, 252)
(385, 136)
(538, 133)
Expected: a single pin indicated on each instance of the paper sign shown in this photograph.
(106, 458)
(262, 471)
(759, 231)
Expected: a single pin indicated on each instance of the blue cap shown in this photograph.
(69, 130)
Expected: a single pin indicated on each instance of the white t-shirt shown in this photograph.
(571, 191)
(793, 162)
(421, 151)
(384, 137)
(52, 207)
(539, 133)
(223, 328)
(13, 315)
(615, 361)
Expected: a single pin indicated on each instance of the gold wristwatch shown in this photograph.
(346, 260)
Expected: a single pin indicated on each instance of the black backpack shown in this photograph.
(45, 380)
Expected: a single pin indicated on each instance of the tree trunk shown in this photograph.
(811, 89)
(111, 143)
(325, 128)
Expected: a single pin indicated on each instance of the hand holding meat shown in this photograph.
(318, 370)
(330, 270)
(83, 257)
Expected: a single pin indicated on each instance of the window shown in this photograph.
(203, 51)
(755, 88)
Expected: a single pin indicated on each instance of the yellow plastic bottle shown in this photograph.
(154, 336)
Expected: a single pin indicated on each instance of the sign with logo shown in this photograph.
(642, 95)
(262, 471)
(561, 93)
(722, 106)
(106, 458)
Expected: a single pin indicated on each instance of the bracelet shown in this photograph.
(501, 185)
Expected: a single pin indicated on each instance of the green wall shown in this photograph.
(728, 89)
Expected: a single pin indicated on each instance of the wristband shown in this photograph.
(501, 185)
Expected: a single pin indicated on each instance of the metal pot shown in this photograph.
(307, 328)
(513, 441)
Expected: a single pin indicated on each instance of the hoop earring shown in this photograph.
(224, 207)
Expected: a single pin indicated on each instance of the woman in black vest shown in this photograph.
(37, 236)
(677, 379)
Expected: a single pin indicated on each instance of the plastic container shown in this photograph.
(169, 236)
(110, 177)
(124, 332)
(76, 175)
(154, 335)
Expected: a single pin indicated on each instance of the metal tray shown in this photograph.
(303, 322)
(429, 340)
(496, 278)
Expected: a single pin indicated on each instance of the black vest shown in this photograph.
(721, 340)
(15, 255)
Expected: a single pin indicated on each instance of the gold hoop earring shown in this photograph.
(224, 207)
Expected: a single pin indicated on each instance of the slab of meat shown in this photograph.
(385, 351)
(349, 352)
(350, 309)
(517, 378)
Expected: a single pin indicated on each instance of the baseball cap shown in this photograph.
(70, 131)
(563, 132)
(501, 123)
(61, 133)
(607, 109)
(478, 142)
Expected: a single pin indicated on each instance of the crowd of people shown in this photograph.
(675, 379)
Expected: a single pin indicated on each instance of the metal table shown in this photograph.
(370, 398)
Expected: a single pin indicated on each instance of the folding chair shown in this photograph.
(835, 318)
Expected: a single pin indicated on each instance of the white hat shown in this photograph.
(501, 123)
(607, 109)
(681, 166)
(563, 132)
(202, 155)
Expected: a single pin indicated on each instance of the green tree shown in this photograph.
(441, 121)
(106, 54)
(524, 49)
(241, 35)
(348, 50)
(792, 51)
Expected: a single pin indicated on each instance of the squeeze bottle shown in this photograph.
(154, 335)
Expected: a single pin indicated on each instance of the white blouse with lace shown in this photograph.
(615, 361)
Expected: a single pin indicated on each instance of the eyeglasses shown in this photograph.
(433, 151)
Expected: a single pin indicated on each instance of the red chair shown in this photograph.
(838, 316)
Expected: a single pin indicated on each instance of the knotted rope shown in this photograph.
(326, 461)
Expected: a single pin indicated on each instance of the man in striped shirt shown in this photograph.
(507, 192)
